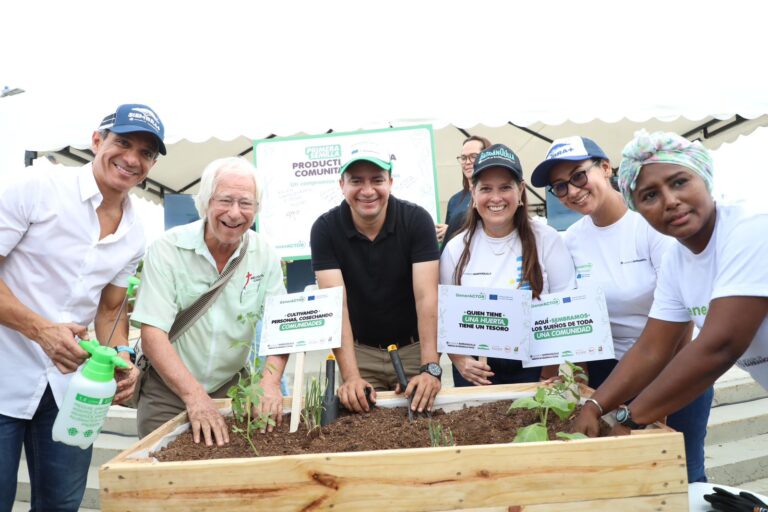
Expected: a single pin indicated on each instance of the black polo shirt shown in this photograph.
(377, 274)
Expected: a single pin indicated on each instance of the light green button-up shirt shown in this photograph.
(179, 268)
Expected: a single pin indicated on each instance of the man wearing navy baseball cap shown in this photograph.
(69, 241)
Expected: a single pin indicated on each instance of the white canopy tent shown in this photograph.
(517, 73)
(179, 171)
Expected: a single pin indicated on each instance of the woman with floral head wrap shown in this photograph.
(715, 276)
(615, 249)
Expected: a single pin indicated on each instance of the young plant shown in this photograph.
(561, 398)
(438, 436)
(247, 393)
(313, 407)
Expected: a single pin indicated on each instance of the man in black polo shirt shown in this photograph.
(384, 251)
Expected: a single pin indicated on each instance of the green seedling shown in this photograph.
(247, 393)
(561, 398)
(439, 436)
(312, 412)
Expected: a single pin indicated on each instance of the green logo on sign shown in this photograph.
(320, 152)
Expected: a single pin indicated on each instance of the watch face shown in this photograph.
(621, 414)
(434, 369)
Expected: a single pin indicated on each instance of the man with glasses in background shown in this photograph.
(180, 267)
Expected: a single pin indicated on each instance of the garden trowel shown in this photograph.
(400, 372)
(330, 400)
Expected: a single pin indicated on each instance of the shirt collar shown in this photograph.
(193, 238)
(89, 191)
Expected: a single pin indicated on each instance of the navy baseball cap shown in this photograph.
(568, 149)
(133, 117)
(498, 155)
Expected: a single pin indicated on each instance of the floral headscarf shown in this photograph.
(661, 147)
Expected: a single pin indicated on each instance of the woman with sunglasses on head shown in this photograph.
(458, 204)
(500, 246)
(714, 277)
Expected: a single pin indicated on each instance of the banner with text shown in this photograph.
(572, 326)
(301, 322)
(492, 322)
(299, 179)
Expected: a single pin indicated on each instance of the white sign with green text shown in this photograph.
(492, 322)
(301, 322)
(299, 179)
(572, 326)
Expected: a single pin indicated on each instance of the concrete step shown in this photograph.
(736, 386)
(739, 461)
(90, 499)
(737, 421)
(106, 447)
(120, 420)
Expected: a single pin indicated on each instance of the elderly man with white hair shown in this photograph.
(205, 360)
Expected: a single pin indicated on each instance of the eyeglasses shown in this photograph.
(579, 179)
(225, 203)
(467, 158)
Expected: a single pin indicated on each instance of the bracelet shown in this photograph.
(596, 403)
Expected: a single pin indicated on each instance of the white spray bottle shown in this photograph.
(88, 397)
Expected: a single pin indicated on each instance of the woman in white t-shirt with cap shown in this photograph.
(667, 179)
(499, 246)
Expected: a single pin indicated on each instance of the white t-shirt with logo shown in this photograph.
(624, 260)
(498, 262)
(734, 263)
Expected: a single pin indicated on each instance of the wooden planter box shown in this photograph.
(640, 472)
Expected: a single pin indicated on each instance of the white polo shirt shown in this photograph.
(56, 265)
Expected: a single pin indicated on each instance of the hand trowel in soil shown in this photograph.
(400, 372)
(330, 400)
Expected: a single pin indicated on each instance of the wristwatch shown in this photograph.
(126, 348)
(433, 369)
(624, 417)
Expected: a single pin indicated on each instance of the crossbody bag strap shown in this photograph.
(191, 313)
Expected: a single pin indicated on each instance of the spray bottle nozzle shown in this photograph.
(101, 365)
(133, 284)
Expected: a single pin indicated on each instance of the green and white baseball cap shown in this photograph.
(368, 151)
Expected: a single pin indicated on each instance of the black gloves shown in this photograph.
(725, 501)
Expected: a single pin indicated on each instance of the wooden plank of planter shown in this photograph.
(629, 472)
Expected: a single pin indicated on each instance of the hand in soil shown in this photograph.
(205, 417)
(472, 370)
(423, 389)
(620, 430)
(587, 422)
(271, 403)
(353, 397)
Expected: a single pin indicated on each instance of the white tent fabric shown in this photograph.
(222, 76)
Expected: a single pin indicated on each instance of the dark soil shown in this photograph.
(380, 429)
